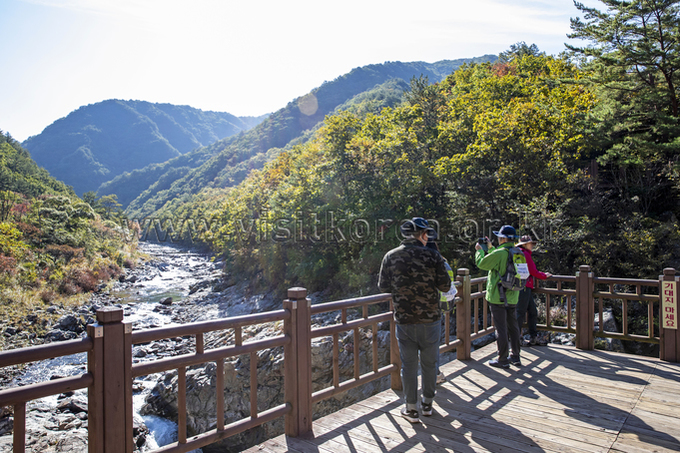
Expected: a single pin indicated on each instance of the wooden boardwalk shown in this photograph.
(561, 400)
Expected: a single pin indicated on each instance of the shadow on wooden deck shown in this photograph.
(561, 400)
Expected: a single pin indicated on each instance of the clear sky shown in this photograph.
(247, 57)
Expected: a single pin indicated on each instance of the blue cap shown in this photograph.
(506, 231)
(415, 224)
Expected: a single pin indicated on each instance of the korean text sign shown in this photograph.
(669, 305)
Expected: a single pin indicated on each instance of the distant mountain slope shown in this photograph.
(97, 142)
(234, 157)
(21, 175)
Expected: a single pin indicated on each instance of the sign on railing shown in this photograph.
(670, 305)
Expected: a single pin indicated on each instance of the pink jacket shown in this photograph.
(532, 269)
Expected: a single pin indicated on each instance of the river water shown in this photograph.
(173, 272)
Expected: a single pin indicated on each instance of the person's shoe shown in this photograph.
(514, 360)
(411, 415)
(495, 363)
(539, 342)
(526, 343)
(533, 341)
(441, 378)
(426, 408)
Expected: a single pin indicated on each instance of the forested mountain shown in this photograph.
(97, 142)
(230, 160)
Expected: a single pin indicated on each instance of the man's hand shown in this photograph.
(548, 275)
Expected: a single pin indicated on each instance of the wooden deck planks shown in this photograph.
(562, 400)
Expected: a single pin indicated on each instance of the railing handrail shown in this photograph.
(28, 354)
(626, 281)
(350, 303)
(161, 333)
(30, 392)
(212, 355)
(355, 323)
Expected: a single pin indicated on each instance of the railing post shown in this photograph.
(110, 401)
(585, 308)
(669, 339)
(298, 363)
(464, 349)
(395, 358)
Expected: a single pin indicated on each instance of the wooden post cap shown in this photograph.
(669, 271)
(584, 268)
(297, 293)
(108, 315)
(463, 271)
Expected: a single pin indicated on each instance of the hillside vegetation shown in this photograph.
(54, 247)
(509, 142)
(98, 142)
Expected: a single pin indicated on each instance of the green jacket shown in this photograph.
(495, 261)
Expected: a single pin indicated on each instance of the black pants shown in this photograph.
(526, 305)
(505, 321)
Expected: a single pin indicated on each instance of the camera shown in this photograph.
(484, 242)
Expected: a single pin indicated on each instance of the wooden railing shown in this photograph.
(110, 369)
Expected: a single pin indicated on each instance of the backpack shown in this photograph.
(516, 273)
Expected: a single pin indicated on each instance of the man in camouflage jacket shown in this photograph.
(415, 274)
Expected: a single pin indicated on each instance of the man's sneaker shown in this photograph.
(411, 415)
(497, 364)
(427, 408)
(441, 378)
(514, 360)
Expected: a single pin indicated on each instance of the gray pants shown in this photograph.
(505, 321)
(419, 343)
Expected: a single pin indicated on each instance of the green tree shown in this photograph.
(110, 204)
(519, 49)
(633, 60)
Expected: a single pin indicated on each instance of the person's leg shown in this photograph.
(428, 337)
(408, 351)
(522, 305)
(500, 321)
(440, 376)
(533, 315)
(513, 330)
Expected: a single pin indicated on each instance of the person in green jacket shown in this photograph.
(504, 316)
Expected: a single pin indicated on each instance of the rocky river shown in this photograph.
(179, 286)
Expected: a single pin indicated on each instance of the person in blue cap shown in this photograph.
(504, 315)
(415, 275)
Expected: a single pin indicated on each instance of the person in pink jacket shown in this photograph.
(526, 302)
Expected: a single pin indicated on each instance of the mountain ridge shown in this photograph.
(97, 142)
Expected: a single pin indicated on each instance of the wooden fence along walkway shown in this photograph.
(561, 400)
(569, 390)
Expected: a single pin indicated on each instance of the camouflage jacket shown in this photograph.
(414, 274)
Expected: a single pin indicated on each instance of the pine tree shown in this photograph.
(633, 57)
